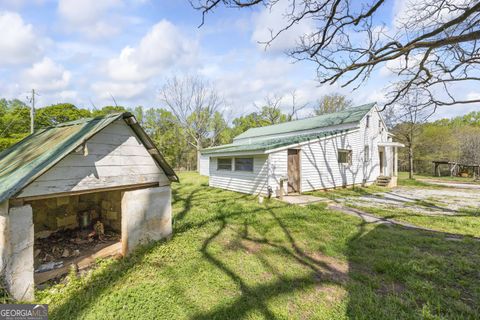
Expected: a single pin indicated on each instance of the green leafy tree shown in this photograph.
(58, 113)
(108, 110)
(332, 103)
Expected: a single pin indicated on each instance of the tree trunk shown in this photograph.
(198, 158)
(410, 161)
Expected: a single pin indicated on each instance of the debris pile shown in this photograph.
(52, 248)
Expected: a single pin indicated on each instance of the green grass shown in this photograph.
(232, 258)
(355, 191)
(465, 222)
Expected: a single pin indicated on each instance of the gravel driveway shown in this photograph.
(445, 201)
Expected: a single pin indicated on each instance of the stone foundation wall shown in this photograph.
(63, 212)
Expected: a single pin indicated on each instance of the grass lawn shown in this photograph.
(465, 222)
(232, 258)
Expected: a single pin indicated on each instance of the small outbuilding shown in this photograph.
(79, 191)
(350, 147)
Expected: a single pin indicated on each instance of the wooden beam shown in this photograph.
(74, 193)
(82, 262)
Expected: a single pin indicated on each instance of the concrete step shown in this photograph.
(383, 181)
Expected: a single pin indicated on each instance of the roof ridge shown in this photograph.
(292, 124)
(84, 120)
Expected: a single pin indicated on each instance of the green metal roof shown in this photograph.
(31, 157)
(269, 144)
(350, 115)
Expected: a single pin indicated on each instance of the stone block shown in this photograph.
(63, 201)
(51, 203)
(112, 215)
(67, 221)
(106, 205)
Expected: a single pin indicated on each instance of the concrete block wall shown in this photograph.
(16, 250)
(147, 216)
(62, 212)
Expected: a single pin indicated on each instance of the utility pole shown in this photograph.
(32, 112)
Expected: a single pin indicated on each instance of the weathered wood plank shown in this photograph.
(82, 262)
(114, 157)
(54, 187)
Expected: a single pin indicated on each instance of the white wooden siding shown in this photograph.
(204, 165)
(278, 162)
(255, 182)
(319, 160)
(116, 157)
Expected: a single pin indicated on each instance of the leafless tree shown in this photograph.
(194, 104)
(270, 109)
(432, 47)
(332, 103)
(295, 107)
(411, 112)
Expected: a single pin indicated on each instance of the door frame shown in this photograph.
(381, 157)
(299, 169)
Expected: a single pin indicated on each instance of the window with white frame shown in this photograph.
(366, 153)
(345, 156)
(367, 121)
(244, 164)
(224, 164)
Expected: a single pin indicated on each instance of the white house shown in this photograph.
(333, 150)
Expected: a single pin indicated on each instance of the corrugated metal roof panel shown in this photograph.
(350, 115)
(269, 144)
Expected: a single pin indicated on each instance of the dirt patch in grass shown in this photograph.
(237, 244)
(396, 288)
(335, 270)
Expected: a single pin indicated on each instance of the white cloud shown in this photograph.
(106, 89)
(272, 20)
(135, 70)
(18, 43)
(46, 75)
(161, 48)
(90, 17)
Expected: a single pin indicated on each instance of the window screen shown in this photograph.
(224, 164)
(345, 156)
(243, 164)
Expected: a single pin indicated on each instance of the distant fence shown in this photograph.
(422, 166)
(427, 167)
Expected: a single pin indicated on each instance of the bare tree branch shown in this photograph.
(432, 46)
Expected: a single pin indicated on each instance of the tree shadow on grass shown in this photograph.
(398, 273)
(256, 297)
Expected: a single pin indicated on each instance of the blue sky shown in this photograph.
(84, 52)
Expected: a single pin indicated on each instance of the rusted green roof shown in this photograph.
(350, 115)
(31, 157)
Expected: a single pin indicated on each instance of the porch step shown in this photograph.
(383, 181)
